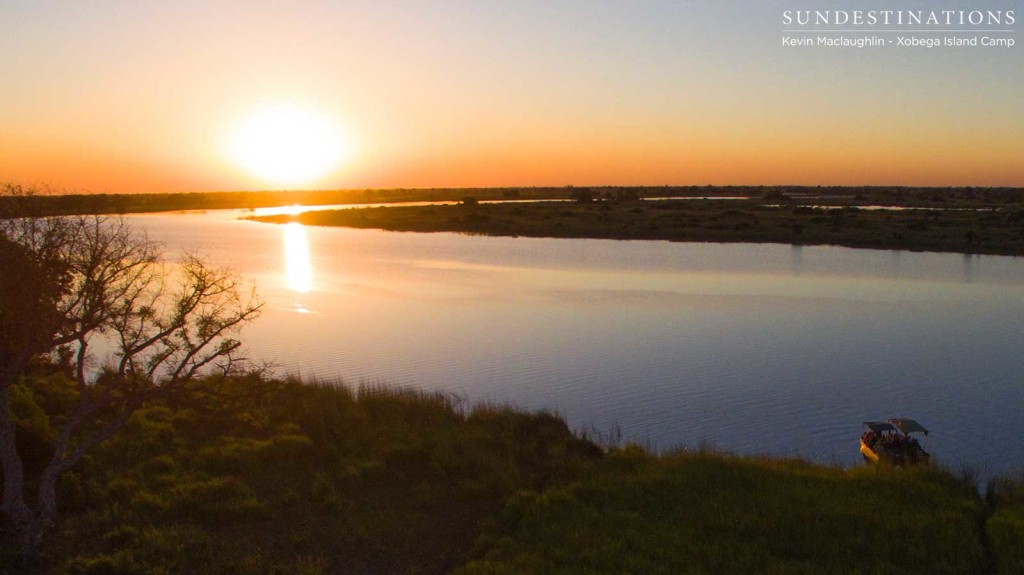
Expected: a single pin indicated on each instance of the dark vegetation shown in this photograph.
(51, 202)
(249, 475)
(1005, 527)
(707, 513)
(71, 285)
(256, 475)
(966, 226)
(966, 220)
(41, 203)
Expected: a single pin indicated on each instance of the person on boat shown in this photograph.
(870, 438)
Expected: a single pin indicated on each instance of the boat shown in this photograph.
(893, 442)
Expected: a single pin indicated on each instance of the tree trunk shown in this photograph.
(34, 531)
(31, 542)
(13, 503)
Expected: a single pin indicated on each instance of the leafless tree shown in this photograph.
(129, 325)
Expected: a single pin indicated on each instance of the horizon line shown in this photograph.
(1020, 187)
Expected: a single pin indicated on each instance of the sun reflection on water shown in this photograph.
(298, 269)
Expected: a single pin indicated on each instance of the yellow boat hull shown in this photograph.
(868, 453)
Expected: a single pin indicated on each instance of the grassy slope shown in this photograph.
(1005, 528)
(966, 231)
(279, 477)
(700, 513)
(250, 476)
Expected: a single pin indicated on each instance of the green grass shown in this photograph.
(705, 513)
(260, 476)
(272, 476)
(1005, 527)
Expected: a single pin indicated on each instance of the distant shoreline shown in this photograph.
(964, 220)
(38, 202)
(955, 227)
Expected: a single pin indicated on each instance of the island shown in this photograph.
(937, 222)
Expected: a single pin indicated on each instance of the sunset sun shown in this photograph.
(288, 145)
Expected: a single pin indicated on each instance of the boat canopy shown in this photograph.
(908, 426)
(879, 426)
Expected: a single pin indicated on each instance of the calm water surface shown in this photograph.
(751, 348)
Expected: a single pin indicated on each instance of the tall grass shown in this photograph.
(254, 475)
(708, 513)
(249, 475)
(1005, 528)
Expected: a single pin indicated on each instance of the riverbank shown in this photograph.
(252, 475)
(959, 220)
(17, 201)
(958, 228)
(20, 200)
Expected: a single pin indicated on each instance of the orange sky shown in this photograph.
(145, 97)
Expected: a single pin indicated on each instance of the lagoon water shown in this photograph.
(750, 348)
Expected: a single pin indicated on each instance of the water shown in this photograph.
(752, 348)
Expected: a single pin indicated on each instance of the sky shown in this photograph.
(184, 96)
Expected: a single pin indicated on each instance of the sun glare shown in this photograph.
(288, 145)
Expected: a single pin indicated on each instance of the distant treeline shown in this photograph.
(16, 201)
